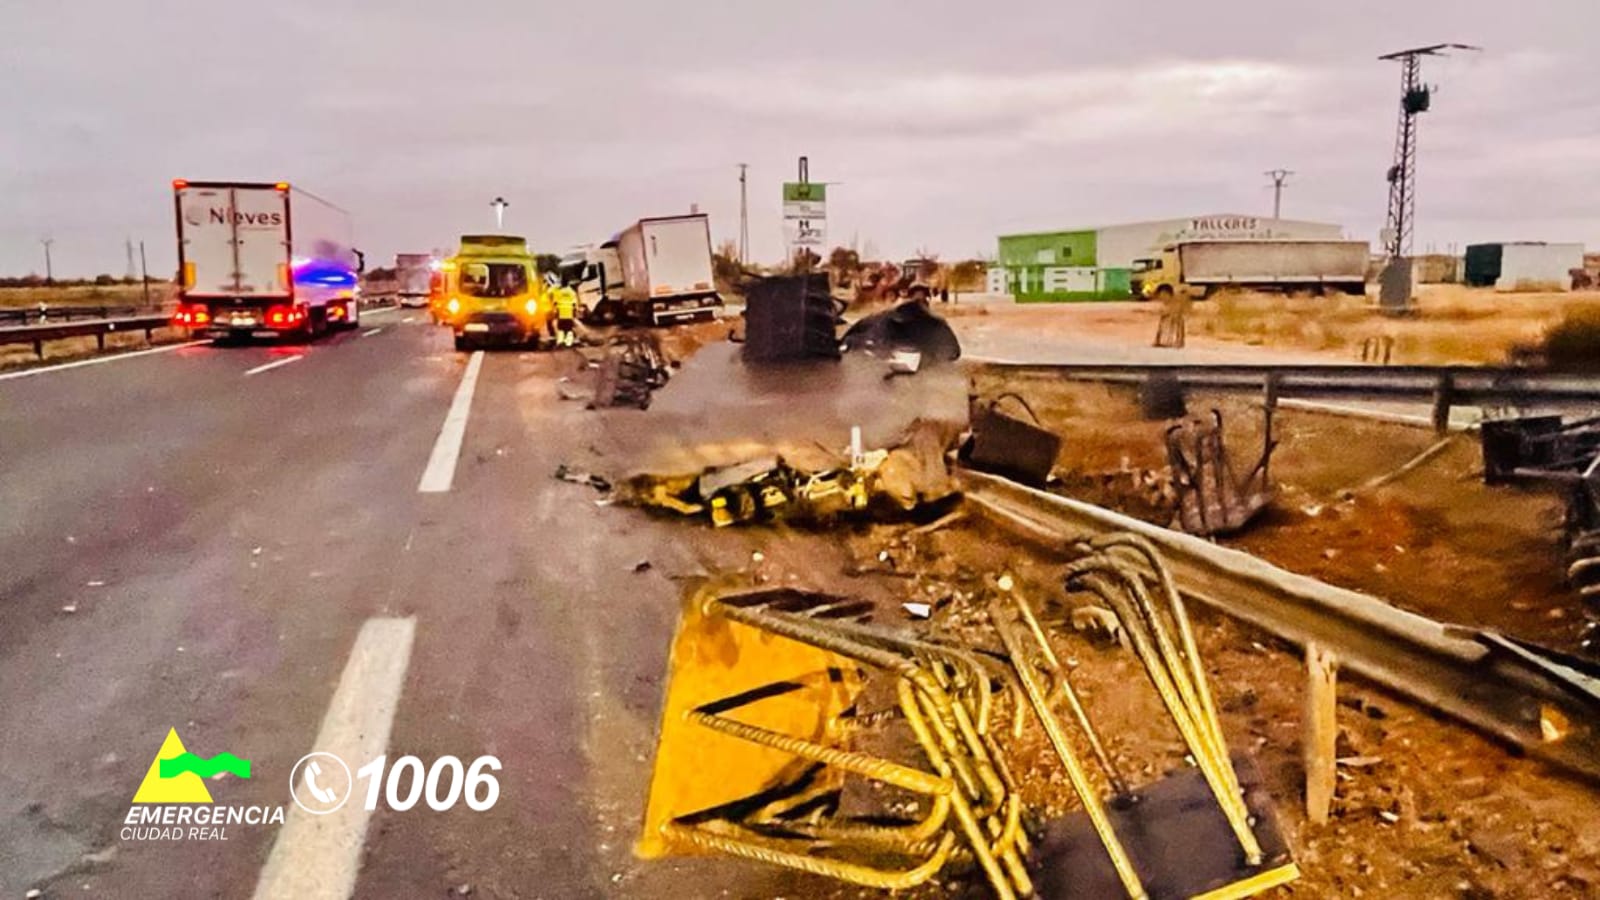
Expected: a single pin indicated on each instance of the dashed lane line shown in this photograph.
(274, 364)
(441, 470)
(317, 857)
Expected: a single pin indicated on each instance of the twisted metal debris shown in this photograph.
(766, 712)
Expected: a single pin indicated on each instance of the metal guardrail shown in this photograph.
(1543, 703)
(1441, 386)
(37, 335)
(36, 315)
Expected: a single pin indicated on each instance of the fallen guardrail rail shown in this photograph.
(1540, 702)
(1442, 386)
(37, 335)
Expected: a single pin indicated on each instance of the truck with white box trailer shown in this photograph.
(1523, 266)
(1200, 268)
(263, 260)
(413, 273)
(667, 269)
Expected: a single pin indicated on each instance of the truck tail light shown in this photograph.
(285, 316)
(189, 315)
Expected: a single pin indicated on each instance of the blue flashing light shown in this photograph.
(323, 273)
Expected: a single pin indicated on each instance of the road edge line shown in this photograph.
(96, 360)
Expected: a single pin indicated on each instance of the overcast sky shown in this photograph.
(947, 123)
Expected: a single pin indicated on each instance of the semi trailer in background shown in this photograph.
(667, 270)
(1523, 266)
(263, 260)
(1199, 268)
(412, 273)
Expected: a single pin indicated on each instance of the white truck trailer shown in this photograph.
(667, 269)
(1203, 267)
(413, 274)
(263, 260)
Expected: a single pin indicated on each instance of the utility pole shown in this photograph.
(1395, 282)
(744, 217)
(49, 272)
(499, 204)
(128, 244)
(144, 274)
(1279, 178)
(1415, 98)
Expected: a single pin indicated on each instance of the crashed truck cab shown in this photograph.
(490, 293)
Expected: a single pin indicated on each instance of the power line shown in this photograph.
(1279, 177)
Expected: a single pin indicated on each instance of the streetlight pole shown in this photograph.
(49, 271)
(499, 204)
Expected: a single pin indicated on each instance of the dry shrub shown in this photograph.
(1573, 344)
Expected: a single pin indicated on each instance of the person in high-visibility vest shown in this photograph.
(565, 300)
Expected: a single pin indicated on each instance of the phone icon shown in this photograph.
(313, 771)
(320, 783)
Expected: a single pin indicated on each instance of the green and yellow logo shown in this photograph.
(176, 775)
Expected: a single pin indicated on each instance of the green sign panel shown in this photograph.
(796, 192)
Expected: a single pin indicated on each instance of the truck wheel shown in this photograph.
(1163, 293)
(463, 343)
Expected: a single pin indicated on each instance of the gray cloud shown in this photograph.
(947, 123)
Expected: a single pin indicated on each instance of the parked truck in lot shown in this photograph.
(411, 275)
(263, 260)
(666, 269)
(1200, 268)
(490, 292)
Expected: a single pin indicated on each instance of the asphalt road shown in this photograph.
(196, 538)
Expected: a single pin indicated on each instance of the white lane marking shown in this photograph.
(274, 364)
(441, 469)
(380, 311)
(371, 331)
(99, 359)
(315, 856)
(408, 320)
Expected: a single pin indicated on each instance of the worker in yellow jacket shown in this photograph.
(565, 301)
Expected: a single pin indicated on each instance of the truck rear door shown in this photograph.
(234, 241)
(679, 256)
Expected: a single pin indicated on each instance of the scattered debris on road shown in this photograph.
(632, 368)
(1008, 446)
(1212, 498)
(798, 733)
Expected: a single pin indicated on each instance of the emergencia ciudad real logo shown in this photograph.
(173, 802)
